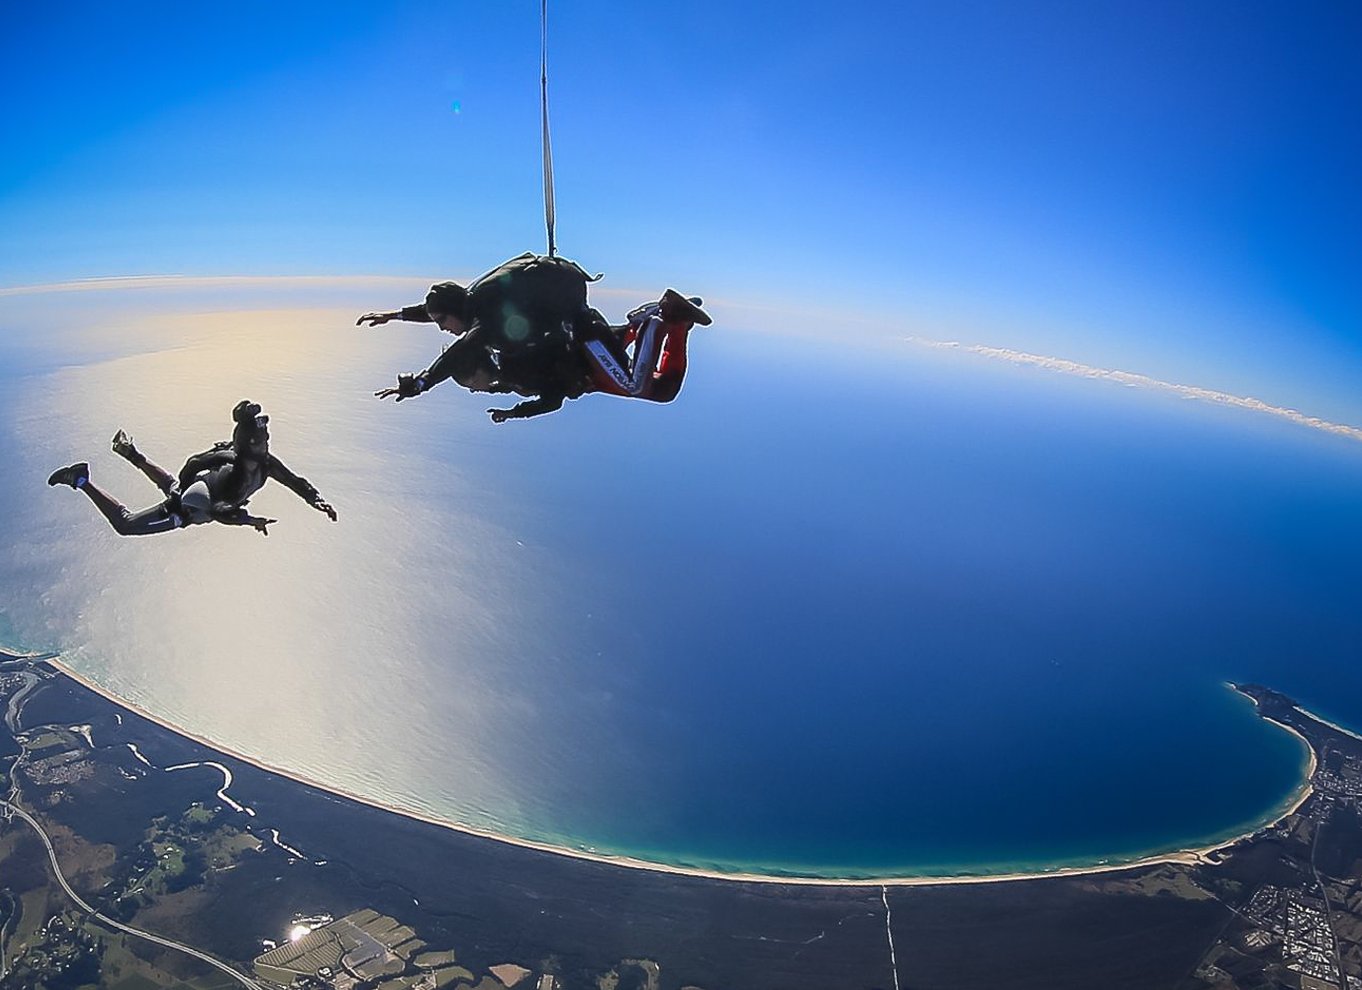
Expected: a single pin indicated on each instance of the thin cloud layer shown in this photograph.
(1132, 379)
(201, 282)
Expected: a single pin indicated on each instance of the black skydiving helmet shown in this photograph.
(252, 426)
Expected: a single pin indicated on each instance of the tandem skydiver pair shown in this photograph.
(526, 328)
(523, 328)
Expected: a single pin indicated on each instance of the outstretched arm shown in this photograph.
(235, 515)
(300, 486)
(443, 367)
(530, 407)
(410, 314)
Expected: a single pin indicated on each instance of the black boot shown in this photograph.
(123, 446)
(676, 308)
(74, 475)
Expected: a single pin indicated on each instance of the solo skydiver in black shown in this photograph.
(213, 486)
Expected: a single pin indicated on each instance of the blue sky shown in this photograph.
(1165, 188)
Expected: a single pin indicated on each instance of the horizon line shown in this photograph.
(183, 280)
(156, 280)
(1048, 363)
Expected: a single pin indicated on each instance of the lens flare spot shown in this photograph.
(517, 327)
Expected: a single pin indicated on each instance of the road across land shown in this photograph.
(117, 925)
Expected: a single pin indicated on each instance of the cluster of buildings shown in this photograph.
(61, 953)
(66, 763)
(1300, 924)
(369, 949)
(1339, 775)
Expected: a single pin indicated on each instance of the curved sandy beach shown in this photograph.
(1190, 856)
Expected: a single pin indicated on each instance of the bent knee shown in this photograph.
(662, 391)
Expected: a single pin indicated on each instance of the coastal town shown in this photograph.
(134, 858)
(1303, 927)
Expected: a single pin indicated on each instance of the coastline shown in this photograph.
(1185, 856)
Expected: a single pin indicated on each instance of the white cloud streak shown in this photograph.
(1133, 380)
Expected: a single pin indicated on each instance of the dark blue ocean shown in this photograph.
(847, 607)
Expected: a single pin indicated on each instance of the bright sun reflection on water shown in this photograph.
(319, 632)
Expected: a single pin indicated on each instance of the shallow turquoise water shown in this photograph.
(843, 610)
